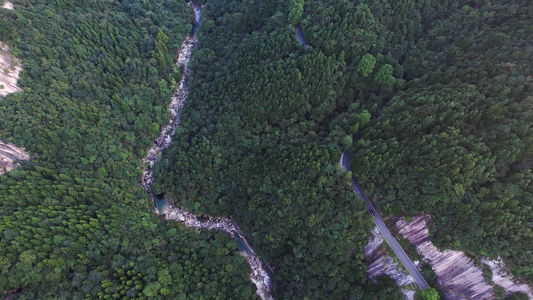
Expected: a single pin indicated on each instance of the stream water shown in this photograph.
(259, 275)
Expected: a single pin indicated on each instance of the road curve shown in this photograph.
(345, 162)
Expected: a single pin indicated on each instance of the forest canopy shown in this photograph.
(433, 100)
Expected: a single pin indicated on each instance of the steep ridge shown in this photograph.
(457, 274)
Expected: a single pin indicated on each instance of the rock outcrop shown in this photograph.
(10, 157)
(457, 274)
(8, 5)
(382, 264)
(502, 278)
(10, 68)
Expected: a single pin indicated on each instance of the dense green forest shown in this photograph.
(435, 94)
(249, 147)
(457, 141)
(74, 222)
(433, 99)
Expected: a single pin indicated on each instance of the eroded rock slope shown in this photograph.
(457, 274)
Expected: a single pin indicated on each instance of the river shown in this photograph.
(259, 275)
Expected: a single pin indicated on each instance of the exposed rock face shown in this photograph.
(408, 294)
(9, 71)
(10, 155)
(383, 264)
(457, 274)
(8, 5)
(503, 279)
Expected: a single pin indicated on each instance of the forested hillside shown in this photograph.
(435, 94)
(432, 98)
(441, 114)
(74, 222)
(248, 147)
(457, 142)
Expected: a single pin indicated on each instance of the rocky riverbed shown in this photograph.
(259, 276)
(175, 105)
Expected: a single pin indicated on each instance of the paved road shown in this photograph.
(345, 162)
(300, 35)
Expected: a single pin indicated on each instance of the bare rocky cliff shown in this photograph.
(10, 157)
(10, 68)
(382, 264)
(8, 5)
(457, 274)
(502, 278)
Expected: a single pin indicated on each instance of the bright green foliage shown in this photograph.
(296, 10)
(93, 92)
(427, 294)
(384, 76)
(81, 251)
(366, 65)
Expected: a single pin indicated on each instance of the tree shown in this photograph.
(366, 65)
(296, 10)
(427, 294)
(384, 76)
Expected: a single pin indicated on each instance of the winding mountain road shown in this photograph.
(345, 162)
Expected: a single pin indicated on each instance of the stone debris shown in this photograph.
(457, 274)
(259, 276)
(384, 264)
(502, 278)
(10, 157)
(10, 68)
